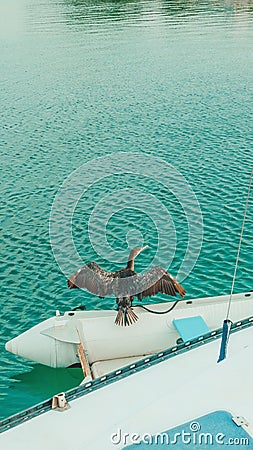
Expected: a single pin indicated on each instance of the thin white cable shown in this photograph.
(240, 244)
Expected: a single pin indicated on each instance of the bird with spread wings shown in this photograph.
(125, 284)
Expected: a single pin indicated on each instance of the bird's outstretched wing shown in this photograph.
(93, 278)
(157, 280)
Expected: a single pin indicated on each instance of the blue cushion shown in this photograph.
(209, 432)
(191, 327)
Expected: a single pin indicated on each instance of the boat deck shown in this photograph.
(127, 399)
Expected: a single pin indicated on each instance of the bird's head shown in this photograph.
(135, 252)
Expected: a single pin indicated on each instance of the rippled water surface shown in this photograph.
(84, 79)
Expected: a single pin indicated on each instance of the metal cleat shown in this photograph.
(59, 402)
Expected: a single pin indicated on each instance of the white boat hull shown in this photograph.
(162, 396)
(108, 346)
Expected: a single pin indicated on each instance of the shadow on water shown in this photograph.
(106, 11)
(121, 8)
(116, 10)
(39, 384)
(101, 15)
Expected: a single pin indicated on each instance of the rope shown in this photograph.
(157, 312)
(240, 244)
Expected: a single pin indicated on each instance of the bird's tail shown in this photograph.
(125, 316)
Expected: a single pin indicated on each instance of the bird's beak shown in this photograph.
(144, 248)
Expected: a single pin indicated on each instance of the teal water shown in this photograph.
(85, 79)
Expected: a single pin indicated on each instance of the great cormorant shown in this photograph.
(125, 284)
